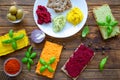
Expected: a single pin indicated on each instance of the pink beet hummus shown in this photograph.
(77, 62)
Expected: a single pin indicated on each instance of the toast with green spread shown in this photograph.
(106, 21)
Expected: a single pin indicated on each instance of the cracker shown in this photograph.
(77, 51)
(100, 14)
(7, 49)
(50, 49)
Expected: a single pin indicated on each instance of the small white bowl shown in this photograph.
(18, 20)
(12, 75)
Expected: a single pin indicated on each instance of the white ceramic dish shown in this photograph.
(69, 29)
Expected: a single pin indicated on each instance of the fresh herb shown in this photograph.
(109, 24)
(46, 65)
(33, 55)
(102, 63)
(13, 40)
(25, 60)
(28, 66)
(85, 31)
(29, 55)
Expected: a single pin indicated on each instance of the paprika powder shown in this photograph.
(12, 66)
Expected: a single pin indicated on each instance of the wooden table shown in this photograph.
(111, 47)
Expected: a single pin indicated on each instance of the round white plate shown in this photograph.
(69, 29)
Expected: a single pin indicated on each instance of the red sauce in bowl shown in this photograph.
(12, 67)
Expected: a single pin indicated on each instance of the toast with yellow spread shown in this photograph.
(21, 43)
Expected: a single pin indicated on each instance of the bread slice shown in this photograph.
(6, 49)
(50, 50)
(82, 56)
(100, 14)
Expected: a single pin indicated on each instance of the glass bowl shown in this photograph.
(17, 20)
(17, 73)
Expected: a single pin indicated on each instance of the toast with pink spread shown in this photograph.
(78, 61)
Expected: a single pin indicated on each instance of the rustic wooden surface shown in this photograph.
(111, 46)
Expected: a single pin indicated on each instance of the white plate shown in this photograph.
(69, 29)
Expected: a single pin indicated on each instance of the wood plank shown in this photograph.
(93, 39)
(112, 63)
(31, 2)
(18, 2)
(88, 74)
(29, 20)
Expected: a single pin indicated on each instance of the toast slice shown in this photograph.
(50, 50)
(6, 49)
(100, 14)
(78, 61)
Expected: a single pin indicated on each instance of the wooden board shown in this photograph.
(94, 40)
